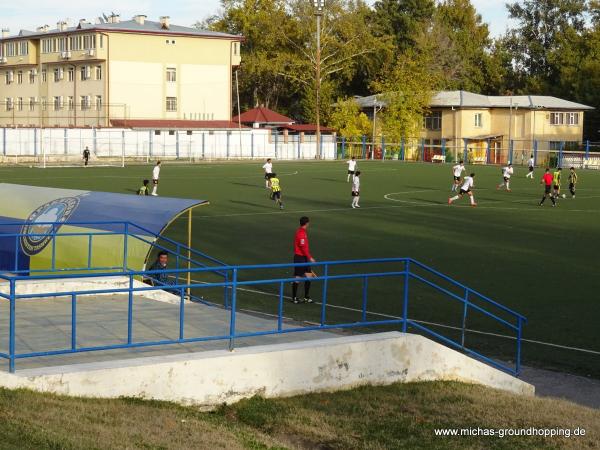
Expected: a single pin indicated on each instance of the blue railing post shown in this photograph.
(444, 149)
(130, 311)
(364, 147)
(233, 308)
(466, 151)
(535, 151)
(53, 248)
(587, 149)
(519, 333)
(488, 151)
(280, 308)
(89, 264)
(73, 321)
(16, 254)
(464, 318)
(226, 289)
(343, 148)
(177, 263)
(405, 304)
(560, 153)
(364, 298)
(383, 148)
(324, 300)
(402, 154)
(11, 333)
(422, 152)
(125, 240)
(181, 312)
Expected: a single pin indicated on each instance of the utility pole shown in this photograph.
(319, 5)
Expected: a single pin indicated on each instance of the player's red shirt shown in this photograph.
(547, 179)
(301, 243)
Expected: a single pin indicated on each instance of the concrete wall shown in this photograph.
(211, 378)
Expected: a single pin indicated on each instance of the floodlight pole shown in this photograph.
(319, 5)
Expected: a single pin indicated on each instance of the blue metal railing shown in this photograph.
(235, 279)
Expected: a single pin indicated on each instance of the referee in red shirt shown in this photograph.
(302, 255)
(547, 182)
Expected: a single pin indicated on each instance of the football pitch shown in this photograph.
(539, 261)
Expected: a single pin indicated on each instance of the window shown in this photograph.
(557, 118)
(62, 44)
(32, 74)
(20, 77)
(478, 120)
(433, 121)
(98, 72)
(85, 73)
(85, 102)
(11, 49)
(98, 102)
(573, 119)
(58, 74)
(156, 132)
(171, 75)
(236, 48)
(57, 103)
(20, 104)
(71, 74)
(31, 103)
(9, 77)
(23, 48)
(44, 75)
(70, 103)
(44, 104)
(8, 103)
(172, 104)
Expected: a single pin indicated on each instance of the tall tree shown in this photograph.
(404, 20)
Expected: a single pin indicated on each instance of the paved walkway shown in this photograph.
(45, 324)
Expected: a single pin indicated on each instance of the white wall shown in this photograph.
(145, 144)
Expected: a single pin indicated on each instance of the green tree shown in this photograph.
(403, 20)
(348, 120)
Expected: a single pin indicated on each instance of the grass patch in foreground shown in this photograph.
(397, 416)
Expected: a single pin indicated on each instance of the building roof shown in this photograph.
(129, 26)
(464, 99)
(307, 127)
(171, 124)
(263, 115)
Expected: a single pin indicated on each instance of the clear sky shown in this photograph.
(29, 14)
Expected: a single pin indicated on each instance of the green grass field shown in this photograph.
(541, 262)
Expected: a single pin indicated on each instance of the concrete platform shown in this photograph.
(45, 325)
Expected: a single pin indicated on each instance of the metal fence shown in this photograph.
(545, 153)
(405, 286)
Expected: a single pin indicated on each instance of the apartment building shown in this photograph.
(93, 73)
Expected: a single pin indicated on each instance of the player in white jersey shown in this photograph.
(466, 188)
(268, 168)
(155, 177)
(506, 174)
(356, 189)
(531, 166)
(457, 174)
(351, 168)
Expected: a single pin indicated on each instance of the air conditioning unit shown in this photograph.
(91, 52)
(3, 60)
(65, 55)
(88, 72)
(61, 73)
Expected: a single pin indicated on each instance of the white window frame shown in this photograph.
(171, 75)
(171, 104)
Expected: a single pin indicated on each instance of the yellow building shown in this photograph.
(93, 73)
(460, 120)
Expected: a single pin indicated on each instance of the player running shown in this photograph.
(351, 168)
(302, 255)
(276, 190)
(356, 189)
(547, 180)
(268, 168)
(466, 188)
(531, 166)
(572, 181)
(457, 173)
(556, 182)
(155, 177)
(506, 174)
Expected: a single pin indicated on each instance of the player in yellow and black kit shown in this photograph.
(276, 190)
(556, 182)
(572, 181)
